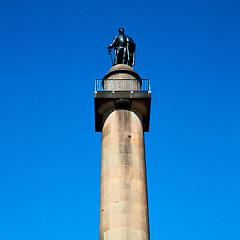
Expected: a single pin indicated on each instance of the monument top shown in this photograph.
(124, 49)
(121, 69)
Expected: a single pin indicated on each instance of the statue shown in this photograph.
(124, 49)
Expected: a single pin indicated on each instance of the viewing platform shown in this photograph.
(122, 88)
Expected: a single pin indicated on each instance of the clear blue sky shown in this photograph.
(50, 54)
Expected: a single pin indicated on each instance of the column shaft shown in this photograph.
(123, 204)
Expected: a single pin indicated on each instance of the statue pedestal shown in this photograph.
(122, 77)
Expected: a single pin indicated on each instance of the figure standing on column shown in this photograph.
(124, 49)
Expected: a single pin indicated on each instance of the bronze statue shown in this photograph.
(124, 49)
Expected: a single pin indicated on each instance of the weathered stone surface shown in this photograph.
(125, 234)
(123, 171)
(123, 203)
(121, 77)
(120, 71)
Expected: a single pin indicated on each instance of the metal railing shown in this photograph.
(126, 84)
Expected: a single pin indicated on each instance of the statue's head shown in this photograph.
(121, 31)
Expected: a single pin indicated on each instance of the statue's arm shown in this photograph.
(113, 43)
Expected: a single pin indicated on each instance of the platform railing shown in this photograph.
(145, 85)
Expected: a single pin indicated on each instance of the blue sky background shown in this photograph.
(50, 54)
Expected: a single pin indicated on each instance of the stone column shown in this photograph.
(122, 114)
(123, 204)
